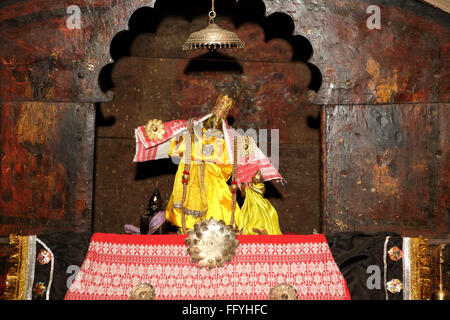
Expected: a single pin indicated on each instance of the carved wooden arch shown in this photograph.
(88, 72)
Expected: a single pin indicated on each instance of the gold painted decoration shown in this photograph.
(420, 266)
(211, 243)
(143, 291)
(283, 291)
(154, 129)
(18, 273)
(246, 147)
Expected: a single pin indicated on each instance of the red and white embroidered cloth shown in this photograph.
(115, 264)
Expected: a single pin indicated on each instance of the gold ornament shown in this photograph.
(143, 291)
(257, 177)
(233, 187)
(283, 291)
(246, 147)
(441, 293)
(213, 37)
(154, 129)
(211, 243)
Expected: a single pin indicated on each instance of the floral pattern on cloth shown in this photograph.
(115, 264)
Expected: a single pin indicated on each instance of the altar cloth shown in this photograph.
(114, 264)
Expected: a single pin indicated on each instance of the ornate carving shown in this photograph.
(283, 291)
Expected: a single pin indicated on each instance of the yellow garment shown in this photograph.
(258, 213)
(213, 196)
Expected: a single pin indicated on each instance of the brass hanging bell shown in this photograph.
(213, 37)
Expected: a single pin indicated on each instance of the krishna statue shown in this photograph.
(210, 153)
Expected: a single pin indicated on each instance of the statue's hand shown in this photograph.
(242, 189)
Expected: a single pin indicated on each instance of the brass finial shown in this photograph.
(441, 293)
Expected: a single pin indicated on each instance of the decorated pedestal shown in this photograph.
(117, 265)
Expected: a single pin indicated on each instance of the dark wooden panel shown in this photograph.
(42, 59)
(298, 205)
(387, 169)
(46, 167)
(404, 61)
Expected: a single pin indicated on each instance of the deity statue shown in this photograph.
(257, 213)
(210, 153)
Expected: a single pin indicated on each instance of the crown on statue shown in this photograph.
(223, 106)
